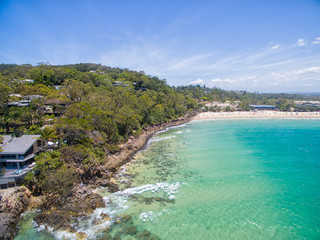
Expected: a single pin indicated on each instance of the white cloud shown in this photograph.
(252, 70)
(308, 70)
(199, 81)
(316, 41)
(275, 46)
(219, 80)
(301, 42)
(304, 79)
(188, 62)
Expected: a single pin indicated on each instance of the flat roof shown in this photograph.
(17, 145)
(262, 106)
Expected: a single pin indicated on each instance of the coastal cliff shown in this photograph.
(13, 202)
(57, 213)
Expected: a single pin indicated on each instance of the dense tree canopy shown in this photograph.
(90, 109)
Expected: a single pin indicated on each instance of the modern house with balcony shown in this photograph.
(17, 157)
(19, 152)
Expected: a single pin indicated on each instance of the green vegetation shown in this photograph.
(90, 109)
(282, 101)
(1, 141)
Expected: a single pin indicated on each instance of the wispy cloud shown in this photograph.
(199, 81)
(275, 46)
(219, 80)
(316, 41)
(308, 70)
(301, 42)
(263, 69)
(188, 62)
(302, 79)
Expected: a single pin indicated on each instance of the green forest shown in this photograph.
(87, 110)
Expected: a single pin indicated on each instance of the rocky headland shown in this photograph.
(13, 202)
(57, 213)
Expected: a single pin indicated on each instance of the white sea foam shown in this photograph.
(116, 204)
(64, 235)
(146, 216)
(255, 224)
(156, 139)
(169, 188)
(58, 234)
(168, 128)
(151, 216)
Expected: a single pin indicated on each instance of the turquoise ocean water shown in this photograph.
(221, 179)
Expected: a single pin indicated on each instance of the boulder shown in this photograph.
(13, 202)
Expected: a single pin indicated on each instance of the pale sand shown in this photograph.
(258, 114)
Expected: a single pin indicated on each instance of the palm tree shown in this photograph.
(48, 134)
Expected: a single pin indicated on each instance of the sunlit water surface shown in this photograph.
(223, 179)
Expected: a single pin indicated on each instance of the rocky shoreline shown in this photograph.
(135, 144)
(57, 213)
(13, 202)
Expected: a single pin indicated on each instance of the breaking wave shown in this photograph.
(116, 204)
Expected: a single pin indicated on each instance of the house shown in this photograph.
(25, 102)
(15, 95)
(262, 107)
(17, 158)
(19, 152)
(222, 105)
(22, 103)
(122, 84)
(308, 103)
(27, 81)
(55, 106)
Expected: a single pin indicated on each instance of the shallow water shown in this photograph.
(225, 179)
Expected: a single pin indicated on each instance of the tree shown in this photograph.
(76, 90)
(5, 90)
(48, 134)
(1, 142)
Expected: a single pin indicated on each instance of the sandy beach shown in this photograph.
(257, 114)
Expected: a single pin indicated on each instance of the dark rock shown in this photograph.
(63, 211)
(117, 237)
(126, 219)
(132, 230)
(13, 201)
(7, 225)
(146, 235)
(105, 217)
(148, 201)
(105, 235)
(104, 183)
(113, 187)
(57, 220)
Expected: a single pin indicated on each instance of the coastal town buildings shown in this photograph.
(308, 103)
(262, 107)
(222, 105)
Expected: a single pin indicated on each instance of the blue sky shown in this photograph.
(265, 45)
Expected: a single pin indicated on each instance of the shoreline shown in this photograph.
(257, 115)
(135, 144)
